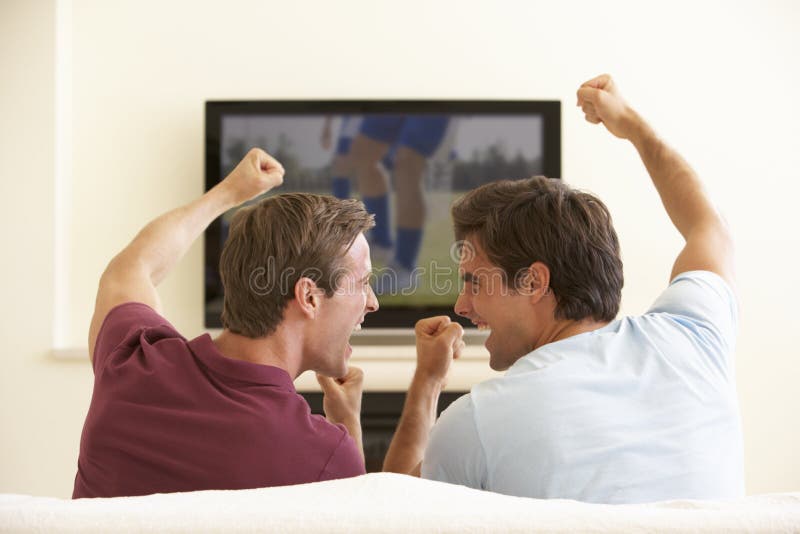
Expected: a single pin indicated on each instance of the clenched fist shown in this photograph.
(257, 173)
(601, 102)
(439, 342)
(342, 400)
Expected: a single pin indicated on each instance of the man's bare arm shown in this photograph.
(439, 341)
(411, 436)
(709, 245)
(134, 273)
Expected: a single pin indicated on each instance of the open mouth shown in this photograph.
(482, 325)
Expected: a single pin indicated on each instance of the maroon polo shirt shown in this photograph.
(171, 415)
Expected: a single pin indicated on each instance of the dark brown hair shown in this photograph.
(520, 222)
(274, 243)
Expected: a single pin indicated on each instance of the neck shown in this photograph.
(276, 350)
(564, 329)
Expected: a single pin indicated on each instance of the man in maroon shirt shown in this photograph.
(168, 414)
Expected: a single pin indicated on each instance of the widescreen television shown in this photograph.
(407, 160)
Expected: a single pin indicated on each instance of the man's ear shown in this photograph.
(308, 297)
(535, 282)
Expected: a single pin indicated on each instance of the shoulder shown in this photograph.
(344, 460)
(702, 304)
(127, 326)
(455, 422)
(706, 283)
(460, 413)
(455, 451)
(697, 293)
(132, 313)
(318, 433)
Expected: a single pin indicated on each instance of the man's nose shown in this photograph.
(372, 301)
(463, 305)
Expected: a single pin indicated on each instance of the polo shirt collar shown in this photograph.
(203, 347)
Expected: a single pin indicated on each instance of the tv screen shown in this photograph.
(406, 160)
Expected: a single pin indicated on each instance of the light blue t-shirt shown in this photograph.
(643, 409)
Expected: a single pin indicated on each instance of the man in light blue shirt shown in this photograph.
(592, 407)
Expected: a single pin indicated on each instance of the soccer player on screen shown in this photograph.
(414, 140)
(342, 164)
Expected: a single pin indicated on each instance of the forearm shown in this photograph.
(407, 449)
(353, 426)
(160, 244)
(682, 193)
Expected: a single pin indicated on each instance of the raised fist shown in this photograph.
(439, 342)
(602, 103)
(342, 400)
(257, 173)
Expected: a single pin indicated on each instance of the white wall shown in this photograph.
(717, 80)
(40, 401)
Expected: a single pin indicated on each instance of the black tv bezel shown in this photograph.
(387, 316)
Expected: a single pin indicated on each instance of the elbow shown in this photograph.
(122, 266)
(116, 266)
(721, 249)
(726, 236)
(716, 230)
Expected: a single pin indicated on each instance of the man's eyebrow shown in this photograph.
(468, 277)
